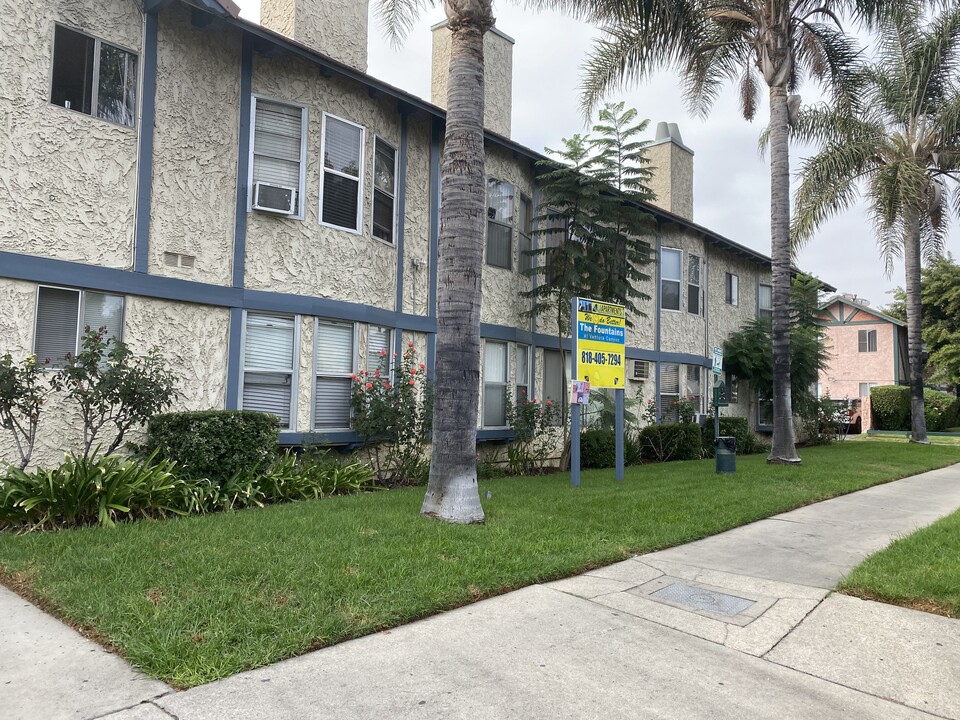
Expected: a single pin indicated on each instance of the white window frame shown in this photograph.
(698, 285)
(294, 370)
(373, 188)
(678, 280)
(731, 289)
(358, 230)
(500, 223)
(868, 335)
(527, 383)
(315, 374)
(82, 292)
(301, 188)
(761, 310)
(505, 384)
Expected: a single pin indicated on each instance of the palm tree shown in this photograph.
(901, 145)
(751, 42)
(452, 492)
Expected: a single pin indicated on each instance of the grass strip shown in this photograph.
(195, 599)
(920, 571)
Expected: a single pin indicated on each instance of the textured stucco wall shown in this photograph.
(195, 141)
(337, 28)
(497, 77)
(673, 177)
(848, 367)
(301, 256)
(680, 331)
(416, 236)
(68, 184)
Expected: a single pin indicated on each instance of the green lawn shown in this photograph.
(192, 600)
(921, 571)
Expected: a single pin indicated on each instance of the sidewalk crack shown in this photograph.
(795, 625)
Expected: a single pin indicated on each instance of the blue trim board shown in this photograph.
(234, 354)
(243, 163)
(148, 107)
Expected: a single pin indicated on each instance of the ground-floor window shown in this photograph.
(269, 365)
(334, 365)
(495, 374)
(62, 316)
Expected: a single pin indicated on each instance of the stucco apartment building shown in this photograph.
(250, 200)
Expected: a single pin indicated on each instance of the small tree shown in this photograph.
(22, 393)
(114, 388)
(533, 425)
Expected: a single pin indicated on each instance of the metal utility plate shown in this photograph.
(717, 603)
(700, 598)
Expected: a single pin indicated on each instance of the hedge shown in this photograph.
(660, 443)
(215, 444)
(890, 405)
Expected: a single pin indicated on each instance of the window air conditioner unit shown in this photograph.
(641, 370)
(274, 198)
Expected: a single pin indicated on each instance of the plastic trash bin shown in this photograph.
(725, 451)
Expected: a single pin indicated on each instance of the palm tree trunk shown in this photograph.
(452, 492)
(783, 450)
(911, 267)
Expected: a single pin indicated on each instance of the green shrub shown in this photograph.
(670, 441)
(738, 427)
(632, 448)
(215, 444)
(890, 405)
(598, 448)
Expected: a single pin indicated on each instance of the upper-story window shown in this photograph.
(500, 201)
(765, 301)
(62, 316)
(269, 365)
(341, 185)
(526, 233)
(93, 77)
(279, 154)
(671, 275)
(867, 340)
(384, 191)
(732, 289)
(694, 300)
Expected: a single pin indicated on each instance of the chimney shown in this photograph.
(335, 28)
(497, 76)
(672, 163)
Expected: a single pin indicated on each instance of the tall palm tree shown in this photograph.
(752, 43)
(452, 492)
(900, 146)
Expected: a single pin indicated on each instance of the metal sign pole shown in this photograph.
(574, 414)
(619, 433)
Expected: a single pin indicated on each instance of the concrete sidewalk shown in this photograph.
(740, 625)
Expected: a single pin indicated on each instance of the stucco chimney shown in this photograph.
(336, 28)
(672, 162)
(497, 76)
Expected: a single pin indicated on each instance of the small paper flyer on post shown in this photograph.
(580, 393)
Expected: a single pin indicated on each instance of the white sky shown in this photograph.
(731, 181)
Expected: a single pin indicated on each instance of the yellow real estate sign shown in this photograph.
(600, 337)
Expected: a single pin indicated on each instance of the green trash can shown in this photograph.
(725, 451)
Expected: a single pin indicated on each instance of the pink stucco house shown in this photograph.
(868, 348)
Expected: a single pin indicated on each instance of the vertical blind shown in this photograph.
(268, 365)
(277, 144)
(494, 384)
(334, 360)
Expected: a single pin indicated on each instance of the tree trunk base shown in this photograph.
(771, 460)
(921, 441)
(458, 504)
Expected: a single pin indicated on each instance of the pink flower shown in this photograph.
(383, 353)
(413, 382)
(376, 373)
(410, 344)
(549, 402)
(413, 371)
(386, 385)
(422, 366)
(369, 385)
(353, 377)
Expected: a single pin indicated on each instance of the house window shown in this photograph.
(379, 352)
(765, 301)
(64, 314)
(867, 340)
(341, 186)
(494, 384)
(526, 233)
(268, 365)
(764, 411)
(93, 77)
(669, 392)
(733, 388)
(865, 389)
(522, 365)
(733, 289)
(279, 149)
(694, 305)
(500, 200)
(334, 365)
(691, 388)
(671, 275)
(384, 192)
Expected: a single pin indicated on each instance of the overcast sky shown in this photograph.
(731, 181)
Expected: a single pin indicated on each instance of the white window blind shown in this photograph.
(523, 372)
(379, 353)
(669, 392)
(384, 191)
(500, 202)
(342, 159)
(64, 314)
(765, 307)
(268, 363)
(278, 145)
(334, 363)
(494, 384)
(671, 274)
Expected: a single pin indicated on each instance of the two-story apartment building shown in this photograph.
(250, 200)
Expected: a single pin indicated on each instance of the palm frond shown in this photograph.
(397, 17)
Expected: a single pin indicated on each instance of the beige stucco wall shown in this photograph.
(336, 28)
(195, 142)
(672, 181)
(302, 256)
(416, 234)
(69, 179)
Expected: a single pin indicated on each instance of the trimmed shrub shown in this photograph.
(738, 427)
(671, 441)
(215, 444)
(598, 449)
(891, 408)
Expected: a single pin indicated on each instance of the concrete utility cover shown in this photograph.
(702, 599)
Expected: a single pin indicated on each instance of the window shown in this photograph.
(334, 366)
(765, 301)
(554, 379)
(691, 388)
(93, 77)
(522, 365)
(733, 387)
(865, 388)
(279, 148)
(384, 191)
(694, 306)
(268, 365)
(340, 191)
(379, 352)
(867, 340)
(764, 411)
(671, 271)
(526, 233)
(494, 384)
(500, 199)
(62, 316)
(733, 289)
(669, 392)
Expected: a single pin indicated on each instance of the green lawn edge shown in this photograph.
(196, 599)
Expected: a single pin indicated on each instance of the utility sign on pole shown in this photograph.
(717, 360)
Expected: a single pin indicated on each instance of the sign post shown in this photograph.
(717, 371)
(599, 342)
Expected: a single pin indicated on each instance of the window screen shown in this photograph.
(384, 191)
(494, 384)
(268, 365)
(500, 201)
(334, 362)
(342, 160)
(671, 272)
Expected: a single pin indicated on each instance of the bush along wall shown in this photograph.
(660, 443)
(738, 427)
(890, 405)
